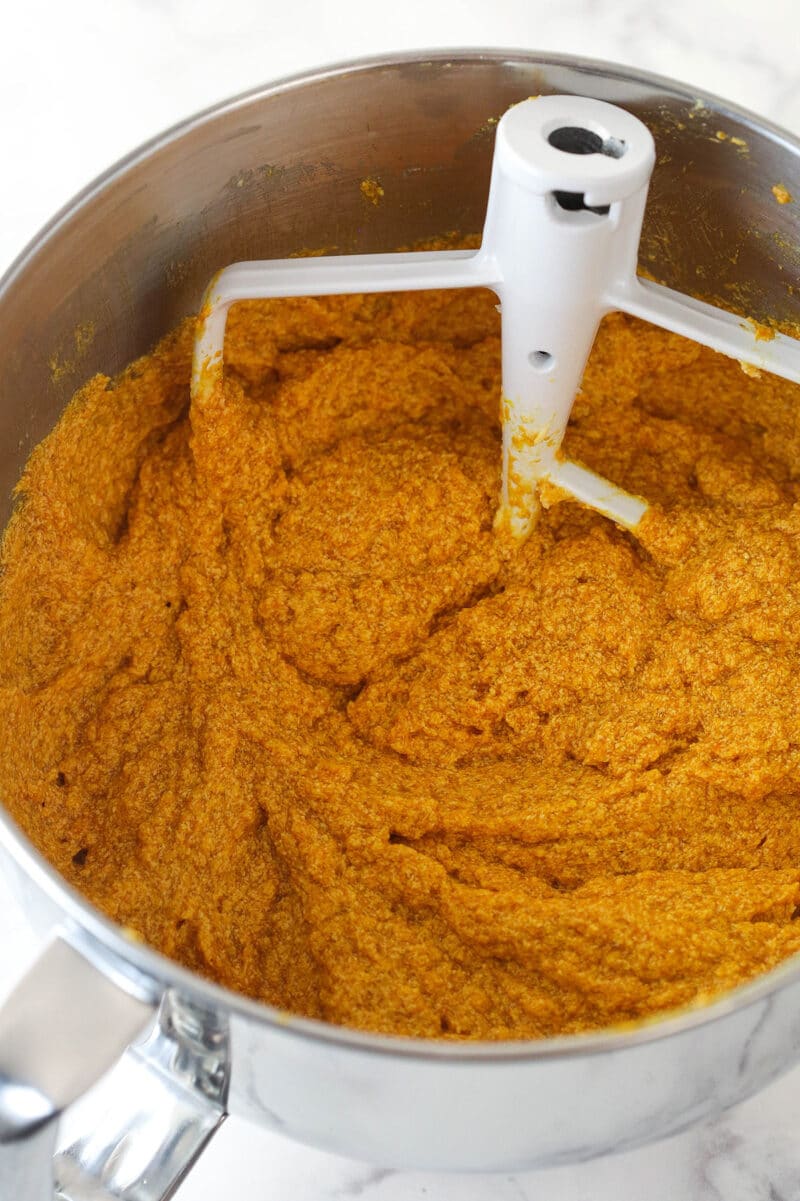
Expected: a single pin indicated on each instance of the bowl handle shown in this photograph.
(139, 1130)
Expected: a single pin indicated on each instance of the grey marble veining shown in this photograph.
(751, 1154)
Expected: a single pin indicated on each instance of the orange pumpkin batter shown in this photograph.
(274, 695)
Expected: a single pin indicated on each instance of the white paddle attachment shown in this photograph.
(566, 203)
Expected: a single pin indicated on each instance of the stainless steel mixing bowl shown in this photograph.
(264, 175)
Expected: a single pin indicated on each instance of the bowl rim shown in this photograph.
(144, 970)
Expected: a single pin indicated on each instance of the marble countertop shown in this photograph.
(80, 85)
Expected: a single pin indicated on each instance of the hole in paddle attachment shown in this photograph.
(574, 139)
(575, 202)
(541, 360)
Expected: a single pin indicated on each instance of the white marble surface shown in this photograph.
(82, 83)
